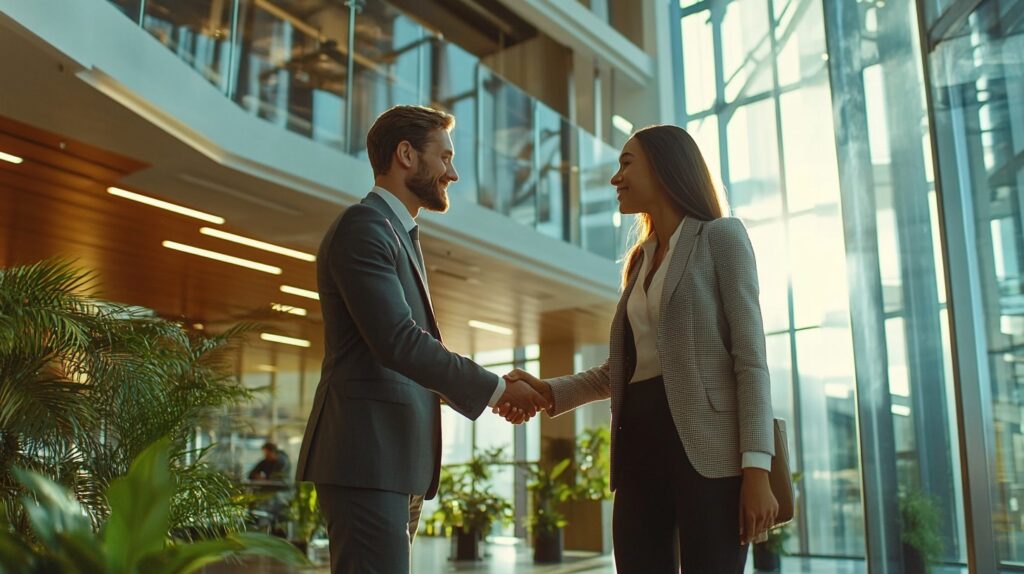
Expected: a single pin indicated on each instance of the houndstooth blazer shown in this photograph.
(712, 349)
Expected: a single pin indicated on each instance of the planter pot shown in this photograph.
(467, 545)
(765, 560)
(913, 562)
(547, 547)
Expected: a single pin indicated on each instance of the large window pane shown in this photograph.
(979, 95)
(698, 62)
(746, 49)
(754, 162)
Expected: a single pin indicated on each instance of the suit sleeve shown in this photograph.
(737, 285)
(572, 391)
(363, 256)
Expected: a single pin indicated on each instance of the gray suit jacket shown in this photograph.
(376, 419)
(712, 349)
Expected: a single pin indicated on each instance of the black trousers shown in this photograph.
(661, 501)
(370, 531)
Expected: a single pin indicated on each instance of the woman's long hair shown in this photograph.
(680, 168)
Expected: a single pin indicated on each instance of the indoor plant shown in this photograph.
(467, 505)
(922, 542)
(133, 537)
(546, 521)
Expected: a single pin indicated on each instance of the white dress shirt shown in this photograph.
(644, 311)
(408, 223)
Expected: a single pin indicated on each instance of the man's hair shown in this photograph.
(269, 446)
(413, 124)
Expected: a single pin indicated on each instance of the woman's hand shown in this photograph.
(538, 385)
(758, 506)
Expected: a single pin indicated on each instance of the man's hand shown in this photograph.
(538, 385)
(519, 403)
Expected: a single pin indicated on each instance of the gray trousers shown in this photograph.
(371, 531)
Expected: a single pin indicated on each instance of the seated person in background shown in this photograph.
(272, 467)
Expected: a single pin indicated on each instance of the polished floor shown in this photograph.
(430, 556)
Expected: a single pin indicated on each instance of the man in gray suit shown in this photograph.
(373, 441)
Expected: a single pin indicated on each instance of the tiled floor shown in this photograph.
(430, 556)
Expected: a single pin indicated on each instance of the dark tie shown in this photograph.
(414, 234)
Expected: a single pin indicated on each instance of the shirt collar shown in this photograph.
(397, 206)
(652, 241)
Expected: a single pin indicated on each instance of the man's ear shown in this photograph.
(405, 154)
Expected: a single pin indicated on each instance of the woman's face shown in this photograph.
(636, 186)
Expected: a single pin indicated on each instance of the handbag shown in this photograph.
(780, 479)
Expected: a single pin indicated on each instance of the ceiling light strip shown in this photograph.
(285, 340)
(257, 244)
(490, 327)
(300, 292)
(151, 201)
(10, 158)
(222, 257)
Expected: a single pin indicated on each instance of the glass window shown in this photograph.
(454, 90)
(979, 98)
(754, 162)
(698, 62)
(746, 49)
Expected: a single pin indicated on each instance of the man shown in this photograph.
(373, 442)
(272, 466)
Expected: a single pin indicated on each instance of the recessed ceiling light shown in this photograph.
(490, 327)
(284, 340)
(288, 309)
(300, 292)
(10, 158)
(222, 257)
(152, 201)
(257, 244)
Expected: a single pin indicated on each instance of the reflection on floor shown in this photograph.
(430, 556)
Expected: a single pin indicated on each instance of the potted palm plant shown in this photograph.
(132, 538)
(89, 384)
(546, 520)
(467, 505)
(591, 504)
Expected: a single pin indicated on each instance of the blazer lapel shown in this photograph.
(620, 355)
(680, 260)
(378, 203)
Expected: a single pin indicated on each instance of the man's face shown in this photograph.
(434, 171)
(269, 454)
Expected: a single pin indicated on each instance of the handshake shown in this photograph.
(524, 396)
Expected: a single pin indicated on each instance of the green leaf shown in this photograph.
(140, 506)
(560, 468)
(56, 510)
(185, 558)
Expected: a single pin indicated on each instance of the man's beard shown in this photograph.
(428, 189)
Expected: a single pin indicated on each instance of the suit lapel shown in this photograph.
(382, 206)
(681, 256)
(620, 328)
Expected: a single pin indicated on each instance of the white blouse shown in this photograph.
(644, 309)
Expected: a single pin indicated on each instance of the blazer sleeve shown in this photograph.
(736, 272)
(572, 391)
(363, 264)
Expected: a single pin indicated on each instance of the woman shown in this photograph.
(686, 373)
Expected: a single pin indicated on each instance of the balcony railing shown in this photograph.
(297, 70)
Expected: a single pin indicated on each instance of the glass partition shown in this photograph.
(198, 31)
(292, 72)
(390, 56)
(602, 228)
(508, 170)
(291, 68)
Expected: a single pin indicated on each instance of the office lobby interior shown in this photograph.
(168, 169)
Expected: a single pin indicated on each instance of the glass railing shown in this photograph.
(297, 68)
